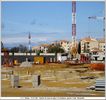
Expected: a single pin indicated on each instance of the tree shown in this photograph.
(3, 49)
(79, 47)
(23, 48)
(55, 49)
(14, 49)
(38, 52)
(20, 48)
(2, 46)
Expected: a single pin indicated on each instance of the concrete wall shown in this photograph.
(22, 57)
(61, 58)
(99, 56)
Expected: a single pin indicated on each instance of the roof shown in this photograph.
(35, 47)
(64, 41)
(96, 50)
(101, 40)
(88, 39)
(44, 45)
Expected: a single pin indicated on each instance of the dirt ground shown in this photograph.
(56, 80)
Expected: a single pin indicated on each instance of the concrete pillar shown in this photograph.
(54, 59)
(14, 81)
(36, 81)
(50, 59)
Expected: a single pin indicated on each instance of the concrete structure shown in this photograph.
(61, 57)
(36, 81)
(21, 57)
(14, 81)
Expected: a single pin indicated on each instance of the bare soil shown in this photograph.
(56, 80)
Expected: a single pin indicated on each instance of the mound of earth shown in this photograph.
(26, 64)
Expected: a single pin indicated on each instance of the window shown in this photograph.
(88, 46)
(87, 42)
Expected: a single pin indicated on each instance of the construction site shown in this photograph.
(51, 74)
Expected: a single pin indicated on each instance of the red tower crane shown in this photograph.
(73, 46)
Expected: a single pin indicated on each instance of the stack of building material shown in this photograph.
(100, 85)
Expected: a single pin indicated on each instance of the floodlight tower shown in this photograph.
(29, 37)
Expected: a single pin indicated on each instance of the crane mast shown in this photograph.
(73, 46)
(73, 21)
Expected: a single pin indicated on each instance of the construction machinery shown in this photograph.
(99, 18)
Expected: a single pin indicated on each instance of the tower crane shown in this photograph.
(73, 46)
(99, 18)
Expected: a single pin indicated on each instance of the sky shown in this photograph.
(48, 21)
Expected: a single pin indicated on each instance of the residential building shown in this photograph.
(98, 53)
(65, 45)
(102, 45)
(87, 44)
(44, 47)
(35, 48)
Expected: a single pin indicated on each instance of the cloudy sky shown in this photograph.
(48, 21)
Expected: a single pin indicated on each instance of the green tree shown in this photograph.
(79, 47)
(55, 49)
(20, 48)
(2, 46)
(14, 49)
(38, 52)
(23, 48)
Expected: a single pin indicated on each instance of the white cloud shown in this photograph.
(20, 40)
(10, 40)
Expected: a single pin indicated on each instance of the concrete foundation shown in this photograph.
(14, 81)
(36, 81)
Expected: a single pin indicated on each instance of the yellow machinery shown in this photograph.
(74, 51)
(16, 62)
(38, 60)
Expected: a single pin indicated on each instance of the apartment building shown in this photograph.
(35, 48)
(87, 44)
(65, 45)
(102, 45)
(42, 47)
